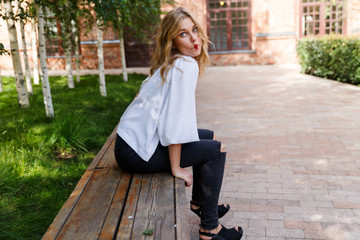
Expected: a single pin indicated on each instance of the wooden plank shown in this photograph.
(67, 208)
(116, 207)
(156, 208)
(103, 150)
(88, 216)
(128, 216)
(108, 159)
(182, 228)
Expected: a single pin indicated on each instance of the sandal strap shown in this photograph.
(206, 234)
(195, 203)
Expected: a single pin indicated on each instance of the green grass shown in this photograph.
(42, 159)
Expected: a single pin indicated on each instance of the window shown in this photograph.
(54, 42)
(229, 24)
(320, 17)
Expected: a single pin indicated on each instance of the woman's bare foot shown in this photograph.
(183, 174)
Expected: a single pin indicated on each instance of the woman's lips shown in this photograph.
(196, 46)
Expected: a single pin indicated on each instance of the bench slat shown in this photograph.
(106, 195)
(108, 160)
(128, 216)
(116, 208)
(88, 216)
(103, 150)
(182, 229)
(156, 202)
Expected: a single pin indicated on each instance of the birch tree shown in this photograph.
(136, 17)
(122, 55)
(3, 51)
(66, 12)
(100, 53)
(77, 49)
(35, 54)
(44, 70)
(19, 76)
(68, 46)
(26, 61)
(68, 67)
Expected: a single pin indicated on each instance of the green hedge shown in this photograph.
(332, 57)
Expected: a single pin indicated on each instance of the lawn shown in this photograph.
(42, 159)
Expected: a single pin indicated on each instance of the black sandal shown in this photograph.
(222, 209)
(224, 234)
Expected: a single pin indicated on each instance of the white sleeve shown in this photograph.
(177, 120)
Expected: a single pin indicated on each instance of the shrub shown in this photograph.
(333, 57)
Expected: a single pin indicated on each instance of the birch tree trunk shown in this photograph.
(15, 55)
(68, 67)
(26, 61)
(100, 53)
(35, 52)
(44, 71)
(77, 53)
(122, 54)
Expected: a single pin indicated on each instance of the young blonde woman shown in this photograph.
(158, 131)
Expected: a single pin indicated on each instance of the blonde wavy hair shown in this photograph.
(164, 55)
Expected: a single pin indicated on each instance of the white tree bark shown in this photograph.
(35, 52)
(68, 67)
(123, 59)
(44, 71)
(26, 61)
(77, 52)
(100, 53)
(19, 76)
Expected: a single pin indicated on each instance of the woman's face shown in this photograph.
(188, 41)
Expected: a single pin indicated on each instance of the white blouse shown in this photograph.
(163, 112)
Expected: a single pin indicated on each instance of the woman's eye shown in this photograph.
(183, 34)
(195, 29)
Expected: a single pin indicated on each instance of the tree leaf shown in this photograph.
(148, 232)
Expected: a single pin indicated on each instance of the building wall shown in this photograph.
(353, 13)
(275, 28)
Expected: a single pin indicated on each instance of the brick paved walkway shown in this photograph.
(293, 142)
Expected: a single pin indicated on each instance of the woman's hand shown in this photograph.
(176, 170)
(183, 174)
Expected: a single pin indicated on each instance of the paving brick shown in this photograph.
(326, 235)
(254, 231)
(313, 226)
(285, 216)
(261, 208)
(266, 223)
(349, 205)
(294, 233)
(292, 169)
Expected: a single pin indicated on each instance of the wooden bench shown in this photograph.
(109, 203)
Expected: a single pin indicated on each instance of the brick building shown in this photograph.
(242, 32)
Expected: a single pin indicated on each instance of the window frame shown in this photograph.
(322, 17)
(229, 10)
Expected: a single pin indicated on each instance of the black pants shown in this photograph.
(206, 160)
